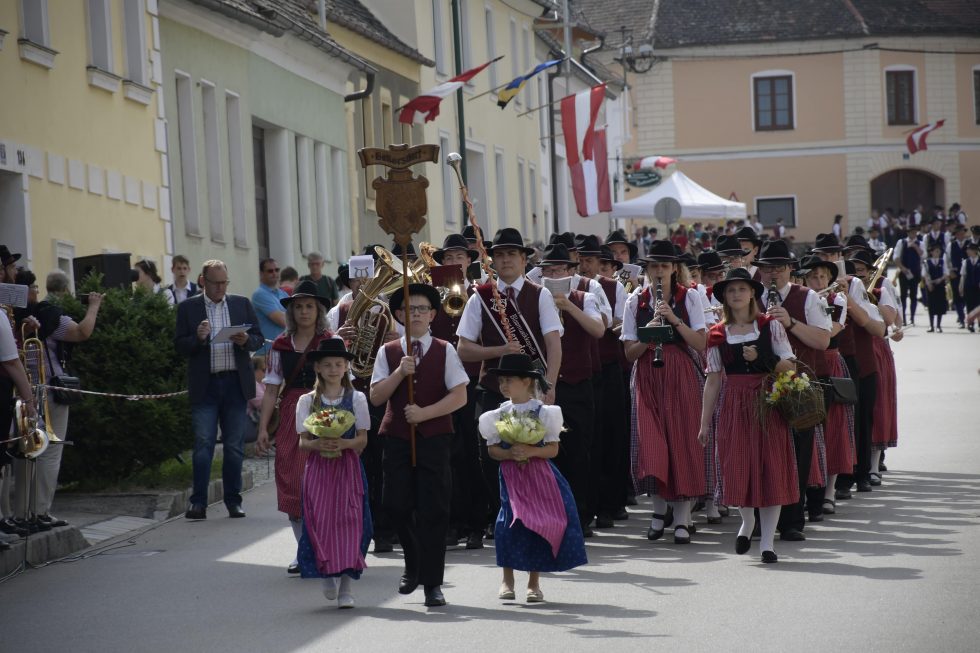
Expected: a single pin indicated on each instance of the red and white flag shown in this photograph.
(917, 139)
(585, 150)
(425, 107)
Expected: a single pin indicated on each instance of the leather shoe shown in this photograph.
(792, 535)
(864, 486)
(196, 512)
(9, 527)
(769, 557)
(474, 540)
(622, 515)
(682, 535)
(235, 512)
(293, 568)
(53, 522)
(587, 531)
(842, 495)
(434, 597)
(603, 521)
(742, 544)
(875, 480)
(383, 545)
(407, 584)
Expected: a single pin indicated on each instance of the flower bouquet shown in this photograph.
(330, 422)
(799, 401)
(520, 428)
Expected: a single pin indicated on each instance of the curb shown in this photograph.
(60, 542)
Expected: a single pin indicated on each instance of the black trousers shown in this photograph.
(6, 415)
(863, 423)
(959, 302)
(417, 501)
(610, 441)
(371, 458)
(627, 480)
(909, 289)
(468, 510)
(791, 516)
(487, 400)
(576, 402)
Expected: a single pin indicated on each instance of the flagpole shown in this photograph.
(460, 118)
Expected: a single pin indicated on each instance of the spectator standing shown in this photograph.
(837, 228)
(181, 288)
(288, 279)
(220, 382)
(325, 286)
(148, 277)
(265, 299)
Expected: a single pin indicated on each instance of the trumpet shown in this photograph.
(832, 288)
(452, 297)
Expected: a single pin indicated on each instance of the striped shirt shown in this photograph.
(222, 354)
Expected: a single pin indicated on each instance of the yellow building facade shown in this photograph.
(81, 164)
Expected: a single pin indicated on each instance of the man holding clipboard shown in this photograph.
(217, 333)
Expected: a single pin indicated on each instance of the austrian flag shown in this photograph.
(917, 139)
(425, 107)
(585, 150)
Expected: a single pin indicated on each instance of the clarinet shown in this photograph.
(773, 296)
(658, 352)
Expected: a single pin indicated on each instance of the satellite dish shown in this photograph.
(667, 211)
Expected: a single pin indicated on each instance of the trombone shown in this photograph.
(35, 434)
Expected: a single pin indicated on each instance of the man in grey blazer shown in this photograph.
(220, 382)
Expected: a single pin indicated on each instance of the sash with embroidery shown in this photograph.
(518, 325)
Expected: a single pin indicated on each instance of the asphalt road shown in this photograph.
(895, 570)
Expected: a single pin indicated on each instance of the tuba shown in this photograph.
(34, 434)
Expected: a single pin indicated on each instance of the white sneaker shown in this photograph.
(345, 601)
(330, 588)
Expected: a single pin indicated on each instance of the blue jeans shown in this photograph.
(226, 404)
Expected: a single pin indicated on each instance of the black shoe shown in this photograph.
(235, 512)
(587, 531)
(622, 515)
(816, 517)
(791, 535)
(38, 526)
(682, 535)
(29, 527)
(931, 330)
(842, 495)
(196, 512)
(656, 534)
(971, 328)
(407, 584)
(474, 540)
(434, 597)
(742, 544)
(293, 568)
(383, 545)
(769, 557)
(9, 527)
(53, 522)
(631, 500)
(488, 534)
(603, 521)
(874, 480)
(864, 486)
(4, 546)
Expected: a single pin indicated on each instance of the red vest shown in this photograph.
(795, 305)
(430, 387)
(444, 328)
(576, 347)
(527, 302)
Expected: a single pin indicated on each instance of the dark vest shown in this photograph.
(678, 302)
(911, 259)
(825, 361)
(935, 269)
(288, 358)
(971, 280)
(956, 256)
(527, 302)
(864, 352)
(583, 285)
(430, 388)
(731, 355)
(795, 305)
(576, 346)
(610, 345)
(444, 327)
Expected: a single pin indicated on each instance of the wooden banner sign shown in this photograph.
(400, 201)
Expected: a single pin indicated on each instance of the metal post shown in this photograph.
(567, 20)
(460, 118)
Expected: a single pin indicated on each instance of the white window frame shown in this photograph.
(901, 68)
(500, 176)
(522, 194)
(772, 73)
(65, 251)
(448, 198)
(187, 141)
(98, 16)
(514, 62)
(439, 37)
(35, 26)
(788, 196)
(464, 28)
(526, 60)
(212, 160)
(236, 168)
(134, 38)
(491, 44)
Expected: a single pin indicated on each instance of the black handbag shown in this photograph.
(70, 383)
(842, 390)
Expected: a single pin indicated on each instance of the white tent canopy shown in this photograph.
(696, 202)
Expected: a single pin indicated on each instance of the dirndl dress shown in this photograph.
(884, 432)
(839, 427)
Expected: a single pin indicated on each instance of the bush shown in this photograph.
(130, 352)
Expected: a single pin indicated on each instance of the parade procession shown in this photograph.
(457, 309)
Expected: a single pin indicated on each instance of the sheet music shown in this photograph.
(13, 294)
(561, 286)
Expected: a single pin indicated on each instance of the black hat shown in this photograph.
(856, 242)
(660, 251)
(748, 233)
(397, 250)
(6, 258)
(587, 244)
(865, 256)
(606, 254)
(618, 236)
(330, 348)
(736, 274)
(567, 239)
(398, 296)
(556, 254)
(305, 288)
(710, 261)
(508, 237)
(729, 246)
(828, 243)
(469, 233)
(849, 268)
(515, 365)
(811, 262)
(343, 274)
(774, 252)
(688, 259)
(370, 251)
(454, 241)
(971, 245)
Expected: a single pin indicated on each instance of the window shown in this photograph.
(236, 168)
(773, 102)
(448, 201)
(491, 46)
(187, 142)
(100, 34)
(522, 195)
(900, 93)
(439, 36)
(367, 118)
(387, 125)
(261, 196)
(976, 96)
(35, 15)
(532, 183)
(134, 18)
(212, 161)
(501, 177)
(526, 61)
(464, 29)
(406, 133)
(514, 63)
(770, 209)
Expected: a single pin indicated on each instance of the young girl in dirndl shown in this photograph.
(755, 451)
(337, 525)
(935, 273)
(537, 529)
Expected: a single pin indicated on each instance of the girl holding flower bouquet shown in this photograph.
(538, 528)
(332, 422)
(755, 452)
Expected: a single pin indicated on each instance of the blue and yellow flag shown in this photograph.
(508, 92)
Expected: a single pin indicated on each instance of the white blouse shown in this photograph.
(692, 302)
(362, 418)
(550, 416)
(780, 344)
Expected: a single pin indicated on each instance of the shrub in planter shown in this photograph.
(130, 352)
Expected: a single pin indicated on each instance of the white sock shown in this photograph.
(768, 518)
(682, 513)
(659, 508)
(297, 526)
(345, 584)
(876, 462)
(710, 509)
(748, 521)
(828, 494)
(330, 588)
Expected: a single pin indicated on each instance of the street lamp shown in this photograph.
(639, 61)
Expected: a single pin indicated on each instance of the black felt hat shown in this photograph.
(709, 261)
(729, 246)
(865, 256)
(515, 365)
(688, 259)
(397, 250)
(827, 243)
(736, 274)
(774, 252)
(469, 233)
(556, 254)
(567, 239)
(330, 348)
(508, 237)
(606, 254)
(455, 241)
(856, 242)
(6, 258)
(660, 251)
(305, 288)
(587, 245)
(812, 262)
(618, 236)
(749, 234)
(398, 296)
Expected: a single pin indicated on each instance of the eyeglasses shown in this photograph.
(418, 310)
(268, 270)
(217, 283)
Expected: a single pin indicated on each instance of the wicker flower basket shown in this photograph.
(803, 409)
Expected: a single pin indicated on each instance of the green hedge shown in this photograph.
(130, 352)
